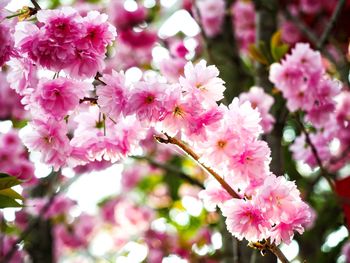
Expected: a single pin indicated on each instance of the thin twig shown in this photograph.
(170, 140)
(191, 153)
(171, 169)
(35, 4)
(323, 171)
(301, 26)
(307, 32)
(330, 24)
(278, 253)
(91, 100)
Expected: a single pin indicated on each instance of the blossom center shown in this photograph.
(221, 144)
(149, 99)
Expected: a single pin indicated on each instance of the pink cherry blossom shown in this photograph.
(146, 101)
(244, 118)
(295, 220)
(214, 195)
(112, 97)
(179, 109)
(7, 42)
(98, 32)
(7, 243)
(263, 103)
(172, 68)
(22, 74)
(212, 15)
(202, 81)
(346, 251)
(10, 101)
(245, 220)
(59, 96)
(138, 39)
(251, 159)
(49, 138)
(123, 18)
(278, 196)
(310, 6)
(218, 149)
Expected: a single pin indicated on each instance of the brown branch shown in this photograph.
(171, 140)
(91, 100)
(277, 252)
(330, 24)
(191, 153)
(36, 5)
(307, 32)
(323, 171)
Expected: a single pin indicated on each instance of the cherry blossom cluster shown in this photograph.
(75, 123)
(302, 79)
(65, 41)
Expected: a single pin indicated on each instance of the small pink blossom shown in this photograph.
(214, 195)
(138, 39)
(212, 13)
(98, 32)
(172, 68)
(295, 220)
(179, 109)
(245, 220)
(123, 18)
(203, 82)
(7, 42)
(49, 138)
(310, 6)
(278, 196)
(59, 96)
(146, 101)
(112, 97)
(250, 159)
(244, 118)
(22, 74)
(263, 103)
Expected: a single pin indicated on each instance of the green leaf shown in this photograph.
(11, 193)
(7, 181)
(279, 52)
(277, 47)
(6, 201)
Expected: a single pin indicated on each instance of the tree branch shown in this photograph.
(36, 5)
(191, 153)
(307, 33)
(324, 172)
(330, 24)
